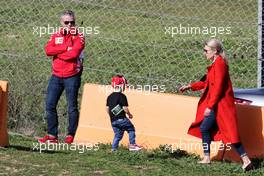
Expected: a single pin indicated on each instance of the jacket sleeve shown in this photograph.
(217, 84)
(51, 49)
(74, 53)
(197, 85)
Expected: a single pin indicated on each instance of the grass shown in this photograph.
(20, 159)
(132, 38)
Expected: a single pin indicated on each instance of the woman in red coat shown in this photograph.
(216, 117)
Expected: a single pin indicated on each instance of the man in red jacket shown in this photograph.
(66, 46)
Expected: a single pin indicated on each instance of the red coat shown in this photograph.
(66, 62)
(218, 95)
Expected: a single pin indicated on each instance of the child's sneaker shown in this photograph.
(113, 150)
(134, 147)
(69, 139)
(48, 138)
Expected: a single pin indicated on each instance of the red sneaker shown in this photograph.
(69, 139)
(48, 138)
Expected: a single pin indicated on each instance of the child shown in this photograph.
(117, 108)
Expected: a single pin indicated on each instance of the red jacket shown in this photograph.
(67, 52)
(218, 95)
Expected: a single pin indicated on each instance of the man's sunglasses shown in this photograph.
(67, 22)
(205, 50)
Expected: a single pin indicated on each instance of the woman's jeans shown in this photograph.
(120, 126)
(206, 125)
(55, 89)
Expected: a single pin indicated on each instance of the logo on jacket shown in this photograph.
(58, 40)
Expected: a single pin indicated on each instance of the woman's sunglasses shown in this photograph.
(68, 22)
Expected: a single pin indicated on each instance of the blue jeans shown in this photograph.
(120, 126)
(55, 89)
(205, 127)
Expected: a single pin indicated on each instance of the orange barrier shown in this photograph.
(161, 119)
(3, 113)
(251, 130)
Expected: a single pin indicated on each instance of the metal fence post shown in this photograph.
(260, 44)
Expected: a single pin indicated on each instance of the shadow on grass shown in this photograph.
(163, 152)
(31, 149)
(258, 162)
(21, 148)
(166, 152)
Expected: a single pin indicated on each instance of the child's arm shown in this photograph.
(128, 112)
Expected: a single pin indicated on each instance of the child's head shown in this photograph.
(119, 83)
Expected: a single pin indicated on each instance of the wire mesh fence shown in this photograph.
(151, 42)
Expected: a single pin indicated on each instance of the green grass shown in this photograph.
(132, 38)
(20, 159)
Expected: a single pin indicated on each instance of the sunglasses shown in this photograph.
(205, 50)
(68, 22)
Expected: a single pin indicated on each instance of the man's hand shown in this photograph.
(184, 88)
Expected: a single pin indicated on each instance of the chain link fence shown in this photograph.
(151, 42)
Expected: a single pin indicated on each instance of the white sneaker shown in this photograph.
(113, 150)
(134, 147)
(204, 161)
(248, 166)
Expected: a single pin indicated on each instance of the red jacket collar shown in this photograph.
(73, 31)
(217, 58)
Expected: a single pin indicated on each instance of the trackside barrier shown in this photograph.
(161, 119)
(3, 113)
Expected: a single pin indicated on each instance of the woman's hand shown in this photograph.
(184, 88)
(207, 112)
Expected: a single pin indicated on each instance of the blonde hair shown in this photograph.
(217, 45)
